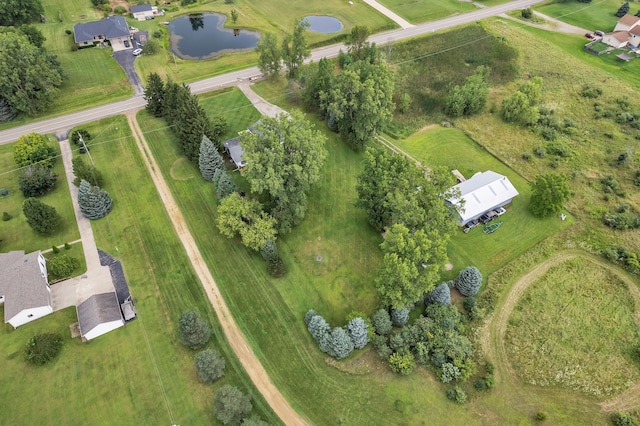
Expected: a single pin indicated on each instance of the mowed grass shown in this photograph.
(75, 251)
(234, 106)
(520, 230)
(427, 10)
(598, 15)
(555, 336)
(16, 234)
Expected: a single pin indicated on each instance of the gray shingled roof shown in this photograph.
(110, 27)
(235, 151)
(96, 310)
(141, 8)
(22, 283)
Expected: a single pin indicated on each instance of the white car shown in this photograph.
(137, 52)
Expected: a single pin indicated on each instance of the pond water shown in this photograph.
(203, 36)
(324, 24)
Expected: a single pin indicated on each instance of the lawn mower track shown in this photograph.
(495, 328)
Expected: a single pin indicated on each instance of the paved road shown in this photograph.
(208, 84)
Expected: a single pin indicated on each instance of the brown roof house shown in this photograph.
(99, 314)
(24, 289)
(627, 31)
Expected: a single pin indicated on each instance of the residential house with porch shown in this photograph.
(113, 29)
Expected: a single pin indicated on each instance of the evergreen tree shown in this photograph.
(210, 160)
(399, 317)
(94, 202)
(382, 322)
(441, 294)
(225, 185)
(154, 94)
(41, 217)
(624, 9)
(194, 331)
(469, 280)
(6, 112)
(309, 315)
(358, 332)
(340, 344)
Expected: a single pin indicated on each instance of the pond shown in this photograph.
(203, 36)
(324, 24)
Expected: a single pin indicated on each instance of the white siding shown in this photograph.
(103, 328)
(28, 315)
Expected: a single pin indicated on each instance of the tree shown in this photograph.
(410, 266)
(17, 12)
(471, 97)
(549, 192)
(623, 10)
(33, 148)
(382, 322)
(234, 15)
(209, 365)
(94, 202)
(192, 123)
(30, 78)
(62, 266)
(526, 13)
(357, 41)
(402, 362)
(340, 344)
(254, 421)
(316, 78)
(294, 47)
(194, 331)
(468, 281)
(151, 47)
(441, 294)
(399, 317)
(284, 157)
(224, 184)
(42, 348)
(358, 332)
(36, 180)
(6, 112)
(33, 34)
(243, 216)
(76, 134)
(623, 418)
(320, 331)
(84, 171)
(41, 217)
(361, 101)
(309, 315)
(520, 107)
(269, 55)
(230, 405)
(209, 160)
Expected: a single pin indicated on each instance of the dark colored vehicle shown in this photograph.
(589, 35)
(126, 43)
(488, 217)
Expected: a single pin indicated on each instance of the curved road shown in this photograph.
(70, 120)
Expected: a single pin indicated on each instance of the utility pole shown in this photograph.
(86, 149)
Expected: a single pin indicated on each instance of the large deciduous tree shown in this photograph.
(284, 157)
(209, 160)
(360, 101)
(94, 202)
(549, 192)
(18, 12)
(29, 76)
(230, 405)
(357, 41)
(41, 217)
(193, 330)
(471, 97)
(33, 148)
(36, 180)
(294, 48)
(209, 365)
(243, 216)
(269, 55)
(316, 78)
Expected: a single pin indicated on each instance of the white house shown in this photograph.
(626, 23)
(627, 31)
(617, 39)
(24, 289)
(485, 191)
(144, 11)
(113, 29)
(99, 314)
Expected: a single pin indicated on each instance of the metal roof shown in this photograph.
(141, 8)
(481, 193)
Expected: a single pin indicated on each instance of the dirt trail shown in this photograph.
(235, 337)
(494, 330)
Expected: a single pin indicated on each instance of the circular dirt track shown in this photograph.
(494, 330)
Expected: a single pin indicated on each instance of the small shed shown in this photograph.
(235, 152)
(144, 11)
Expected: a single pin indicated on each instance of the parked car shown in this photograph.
(137, 52)
(500, 211)
(126, 43)
(589, 35)
(488, 217)
(599, 33)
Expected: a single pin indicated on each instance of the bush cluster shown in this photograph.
(62, 266)
(43, 348)
(339, 342)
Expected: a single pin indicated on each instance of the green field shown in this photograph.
(520, 230)
(16, 234)
(427, 10)
(598, 15)
(556, 338)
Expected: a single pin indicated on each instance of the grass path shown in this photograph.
(494, 331)
(236, 339)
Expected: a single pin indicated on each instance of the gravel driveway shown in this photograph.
(125, 58)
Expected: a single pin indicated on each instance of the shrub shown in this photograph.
(382, 322)
(157, 34)
(526, 13)
(380, 346)
(623, 418)
(590, 92)
(540, 152)
(74, 136)
(36, 180)
(209, 365)
(396, 342)
(120, 10)
(489, 368)
(358, 332)
(469, 280)
(441, 294)
(194, 331)
(40, 217)
(67, 246)
(6, 217)
(4, 192)
(276, 267)
(62, 266)
(43, 348)
(526, 156)
(449, 372)
(231, 405)
(55, 249)
(68, 32)
(402, 362)
(457, 395)
(404, 103)
(399, 317)
(541, 416)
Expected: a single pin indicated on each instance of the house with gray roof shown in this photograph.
(113, 29)
(144, 11)
(99, 314)
(482, 193)
(24, 288)
(235, 152)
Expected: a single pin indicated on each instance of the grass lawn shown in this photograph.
(75, 251)
(427, 10)
(555, 337)
(598, 15)
(519, 231)
(16, 234)
(233, 106)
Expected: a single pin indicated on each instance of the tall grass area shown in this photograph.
(555, 336)
(597, 15)
(520, 230)
(16, 234)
